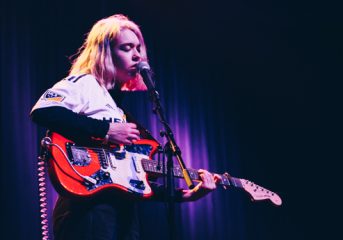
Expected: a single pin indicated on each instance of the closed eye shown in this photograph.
(128, 46)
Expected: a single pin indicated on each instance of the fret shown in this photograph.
(178, 172)
(191, 174)
(155, 168)
(225, 180)
(161, 168)
(236, 182)
(151, 167)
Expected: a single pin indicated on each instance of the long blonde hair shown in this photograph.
(95, 55)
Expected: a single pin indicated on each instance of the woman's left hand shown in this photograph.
(208, 184)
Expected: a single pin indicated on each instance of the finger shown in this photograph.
(217, 178)
(208, 176)
(211, 180)
(208, 181)
(202, 176)
(198, 186)
(132, 125)
(135, 131)
(133, 137)
(128, 142)
(205, 174)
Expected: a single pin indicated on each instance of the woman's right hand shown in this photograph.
(123, 133)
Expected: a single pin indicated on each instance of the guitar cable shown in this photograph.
(42, 183)
(42, 190)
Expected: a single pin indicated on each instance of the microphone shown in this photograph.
(145, 71)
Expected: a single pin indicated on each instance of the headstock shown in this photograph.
(259, 193)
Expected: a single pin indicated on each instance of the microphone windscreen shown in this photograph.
(143, 66)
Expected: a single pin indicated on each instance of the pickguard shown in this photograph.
(120, 165)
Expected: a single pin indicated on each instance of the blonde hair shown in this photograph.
(95, 55)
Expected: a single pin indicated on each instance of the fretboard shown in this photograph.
(152, 166)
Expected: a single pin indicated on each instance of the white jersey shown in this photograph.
(83, 95)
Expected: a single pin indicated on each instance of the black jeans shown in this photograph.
(96, 219)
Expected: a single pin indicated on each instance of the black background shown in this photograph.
(259, 66)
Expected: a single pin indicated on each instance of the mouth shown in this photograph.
(133, 71)
(134, 66)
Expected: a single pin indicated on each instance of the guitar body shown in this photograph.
(84, 172)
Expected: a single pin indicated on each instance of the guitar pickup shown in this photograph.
(136, 164)
(137, 184)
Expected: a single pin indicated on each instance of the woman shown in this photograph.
(80, 108)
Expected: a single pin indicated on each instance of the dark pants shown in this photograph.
(98, 219)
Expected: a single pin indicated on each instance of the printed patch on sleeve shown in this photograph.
(52, 96)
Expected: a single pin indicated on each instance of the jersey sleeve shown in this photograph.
(58, 109)
(71, 125)
(70, 93)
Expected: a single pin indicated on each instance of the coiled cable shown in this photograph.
(42, 189)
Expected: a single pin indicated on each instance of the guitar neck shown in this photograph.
(152, 166)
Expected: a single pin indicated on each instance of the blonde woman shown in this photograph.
(80, 108)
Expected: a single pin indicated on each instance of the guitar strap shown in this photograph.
(118, 97)
(145, 133)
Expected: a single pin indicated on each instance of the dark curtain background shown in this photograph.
(240, 82)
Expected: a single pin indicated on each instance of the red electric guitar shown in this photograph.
(85, 171)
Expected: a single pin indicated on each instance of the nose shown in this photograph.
(136, 57)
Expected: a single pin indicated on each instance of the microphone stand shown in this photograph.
(171, 150)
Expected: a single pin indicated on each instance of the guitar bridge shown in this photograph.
(78, 156)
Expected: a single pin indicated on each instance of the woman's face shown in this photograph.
(126, 55)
